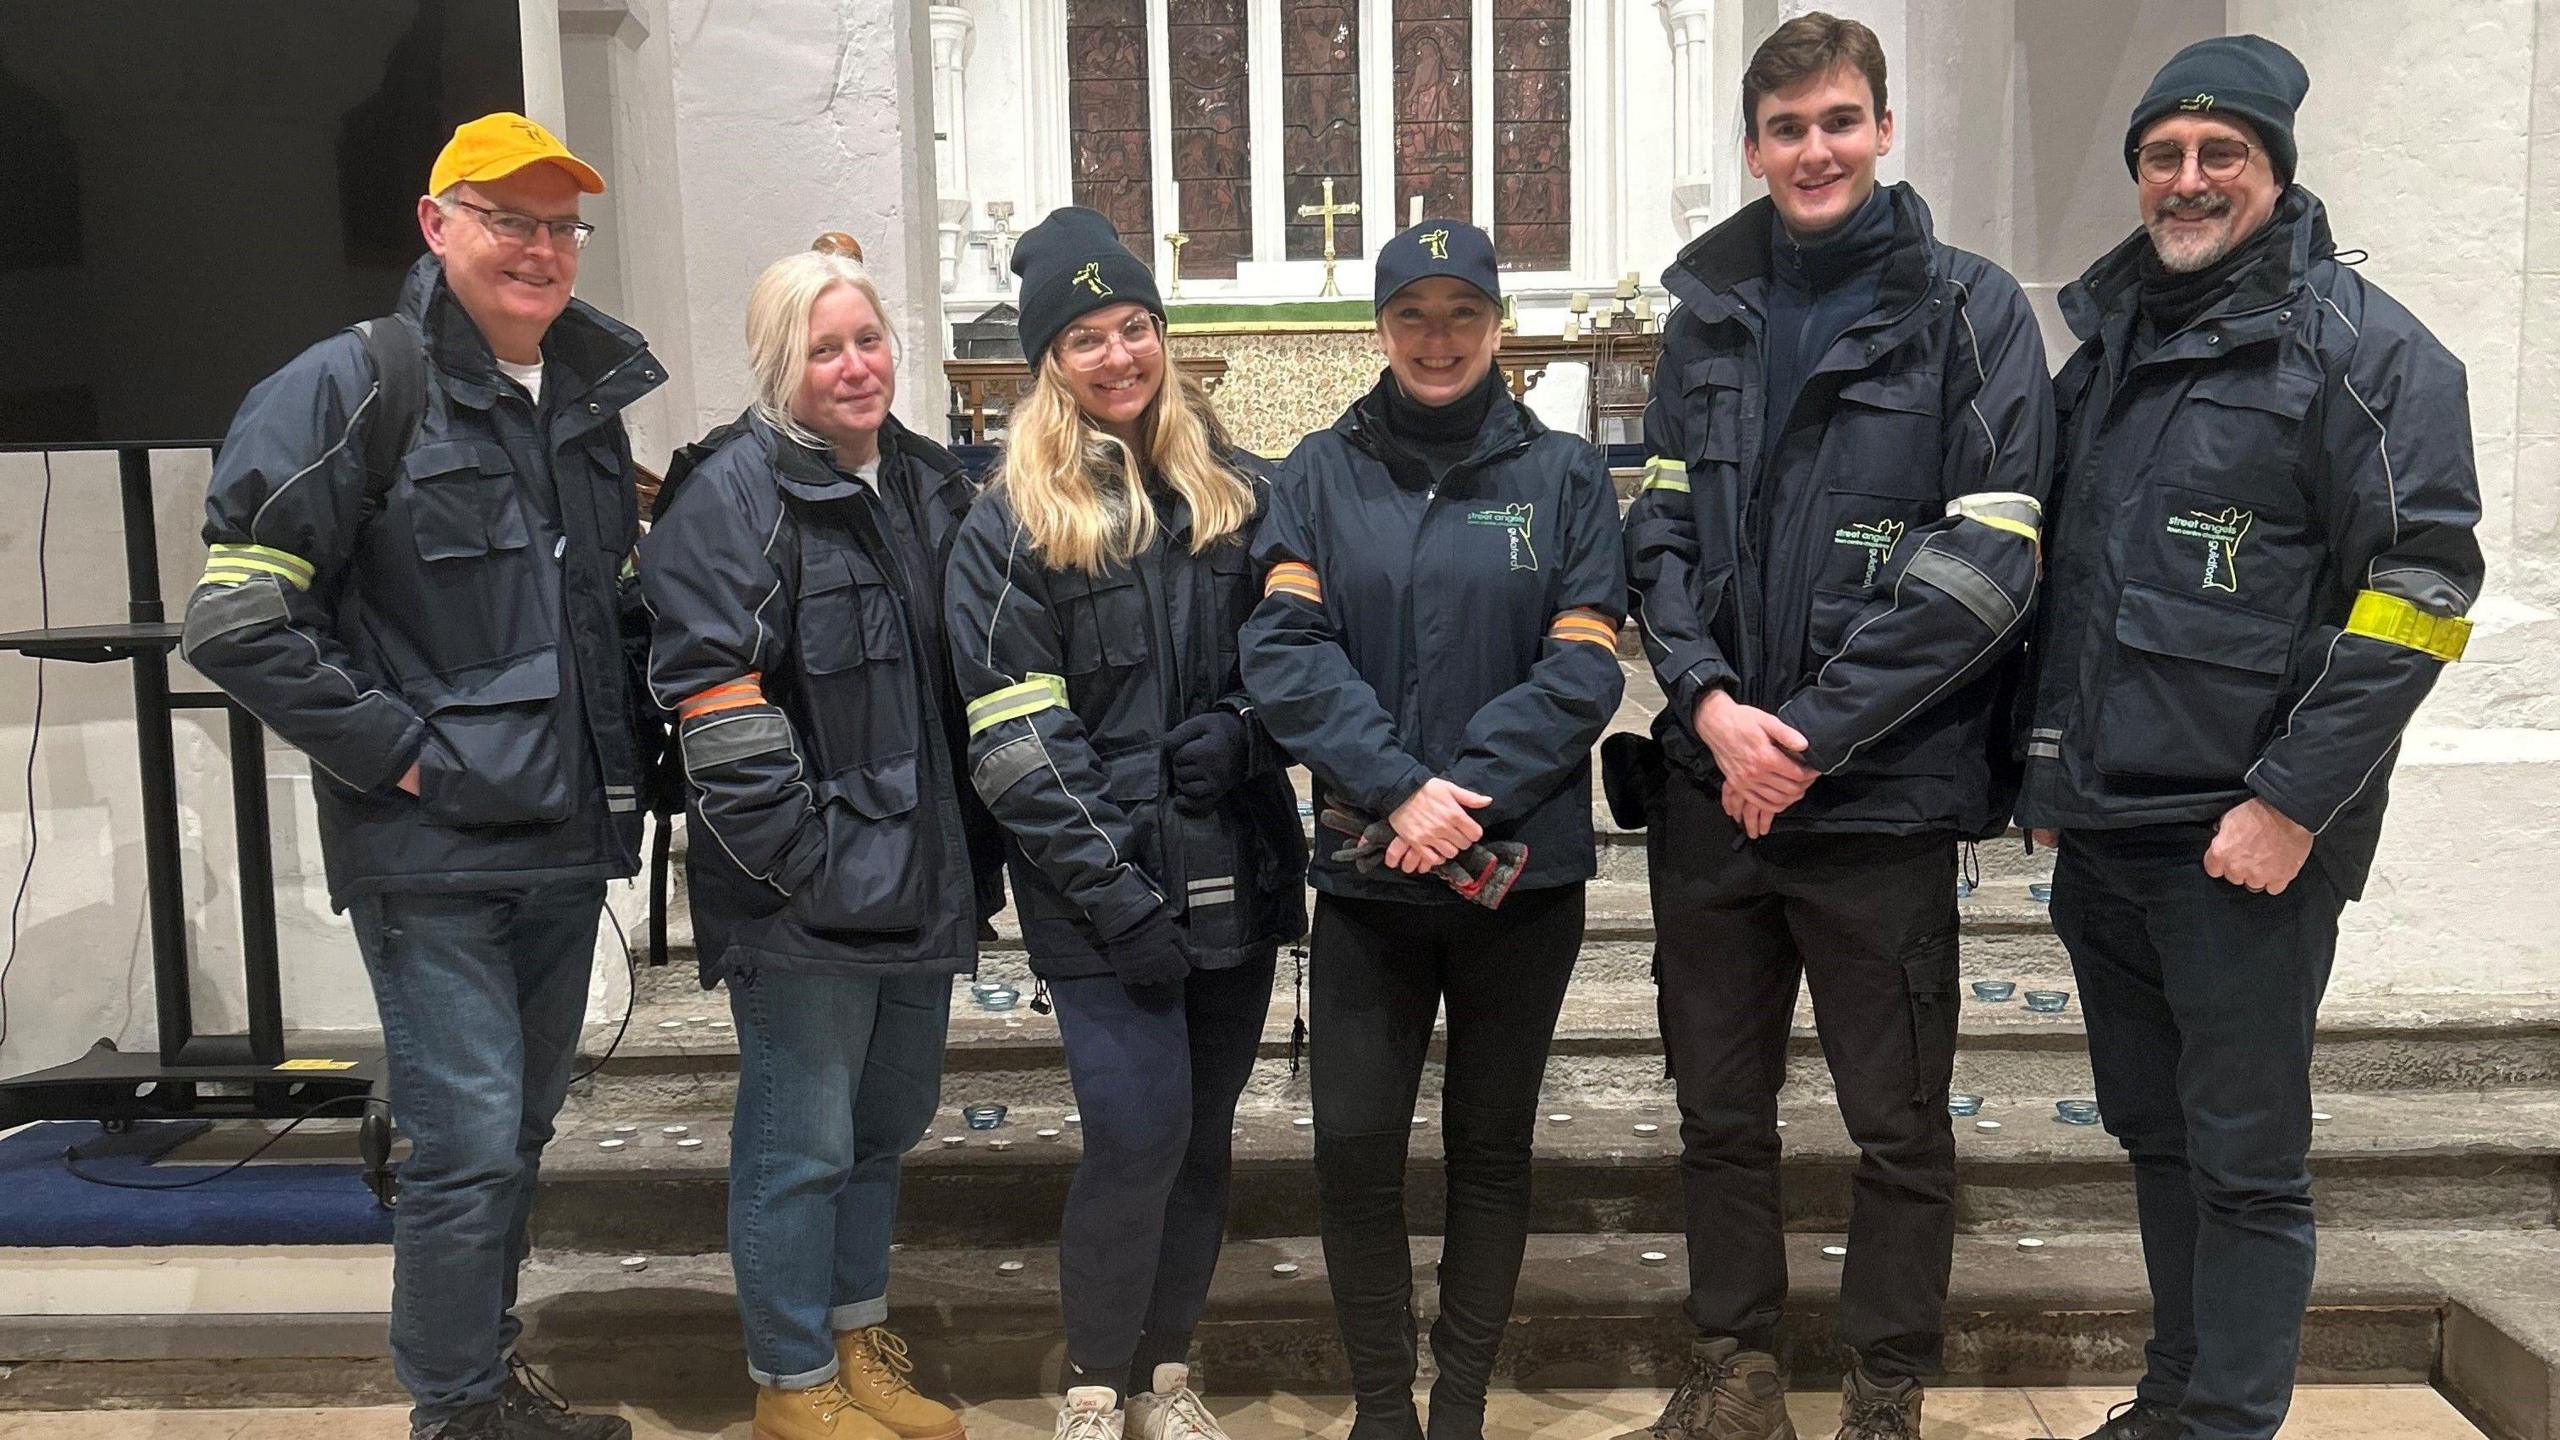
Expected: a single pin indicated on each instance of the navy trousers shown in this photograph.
(2201, 1001)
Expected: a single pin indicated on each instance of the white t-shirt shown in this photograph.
(528, 376)
(868, 473)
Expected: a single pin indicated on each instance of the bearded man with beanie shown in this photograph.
(2260, 558)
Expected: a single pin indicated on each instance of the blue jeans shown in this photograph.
(838, 1077)
(2201, 1001)
(481, 997)
(1156, 1071)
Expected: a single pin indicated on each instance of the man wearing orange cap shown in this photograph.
(417, 539)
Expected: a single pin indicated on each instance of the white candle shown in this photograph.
(1176, 187)
(1415, 208)
(1581, 302)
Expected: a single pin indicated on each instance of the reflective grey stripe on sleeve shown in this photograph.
(621, 804)
(1974, 590)
(1004, 767)
(734, 737)
(2044, 750)
(218, 610)
(2421, 587)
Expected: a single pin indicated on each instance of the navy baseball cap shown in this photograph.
(1438, 247)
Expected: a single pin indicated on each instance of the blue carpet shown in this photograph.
(41, 1203)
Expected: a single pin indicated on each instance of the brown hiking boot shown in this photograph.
(873, 1366)
(1875, 1410)
(1729, 1393)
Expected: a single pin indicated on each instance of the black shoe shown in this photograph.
(2139, 1420)
(530, 1409)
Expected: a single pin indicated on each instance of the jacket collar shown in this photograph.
(1723, 274)
(1509, 425)
(2109, 290)
(812, 474)
(588, 355)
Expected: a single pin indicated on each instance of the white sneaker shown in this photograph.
(1089, 1414)
(1173, 1410)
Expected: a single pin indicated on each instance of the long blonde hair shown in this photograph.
(1070, 481)
(778, 330)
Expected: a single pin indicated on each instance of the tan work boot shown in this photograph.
(874, 1368)
(1729, 1393)
(1872, 1409)
(822, 1412)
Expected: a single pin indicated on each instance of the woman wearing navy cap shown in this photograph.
(1437, 642)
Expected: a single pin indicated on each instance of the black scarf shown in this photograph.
(2170, 300)
(1439, 436)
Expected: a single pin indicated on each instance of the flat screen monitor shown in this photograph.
(196, 190)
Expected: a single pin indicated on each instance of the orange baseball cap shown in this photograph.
(494, 147)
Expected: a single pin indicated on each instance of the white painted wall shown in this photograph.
(790, 121)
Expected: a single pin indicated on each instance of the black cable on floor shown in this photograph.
(71, 1156)
(35, 735)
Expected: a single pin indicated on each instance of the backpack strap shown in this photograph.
(399, 355)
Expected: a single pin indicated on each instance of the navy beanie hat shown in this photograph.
(2245, 75)
(1072, 263)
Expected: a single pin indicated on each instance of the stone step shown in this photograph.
(1590, 1312)
(1608, 1049)
(2383, 1162)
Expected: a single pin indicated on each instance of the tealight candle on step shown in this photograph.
(1963, 1105)
(1835, 1252)
(2048, 1002)
(689, 1144)
(1285, 1269)
(2029, 1242)
(635, 1262)
(1652, 1257)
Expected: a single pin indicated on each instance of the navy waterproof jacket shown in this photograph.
(1465, 630)
(1073, 680)
(1869, 575)
(2262, 552)
(829, 829)
(469, 618)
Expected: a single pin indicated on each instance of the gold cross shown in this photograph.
(1327, 211)
(1177, 240)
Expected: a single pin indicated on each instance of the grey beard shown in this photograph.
(2192, 261)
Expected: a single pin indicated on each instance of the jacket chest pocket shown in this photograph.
(1711, 409)
(2192, 686)
(607, 473)
(474, 542)
(2238, 437)
(1889, 419)
(850, 628)
(1103, 621)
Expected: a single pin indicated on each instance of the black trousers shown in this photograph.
(2201, 1001)
(1156, 1072)
(1870, 923)
(1380, 971)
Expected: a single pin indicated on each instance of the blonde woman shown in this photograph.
(1095, 595)
(794, 578)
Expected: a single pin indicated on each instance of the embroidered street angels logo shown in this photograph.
(2196, 102)
(1090, 277)
(1437, 242)
(1519, 520)
(1876, 537)
(2221, 536)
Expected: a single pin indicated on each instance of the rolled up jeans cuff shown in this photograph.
(806, 1380)
(860, 1315)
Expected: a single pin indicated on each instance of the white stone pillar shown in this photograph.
(1049, 166)
(953, 31)
(1694, 133)
(804, 122)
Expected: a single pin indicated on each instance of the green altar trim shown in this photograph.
(1286, 318)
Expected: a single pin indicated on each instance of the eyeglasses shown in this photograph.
(1087, 349)
(519, 228)
(2162, 161)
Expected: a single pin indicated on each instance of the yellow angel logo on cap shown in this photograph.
(1437, 242)
(1090, 277)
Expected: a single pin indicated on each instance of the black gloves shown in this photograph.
(1211, 755)
(1149, 952)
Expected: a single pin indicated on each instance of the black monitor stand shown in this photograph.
(252, 1076)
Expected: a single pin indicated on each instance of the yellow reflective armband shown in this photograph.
(2378, 616)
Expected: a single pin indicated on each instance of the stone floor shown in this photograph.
(2346, 1412)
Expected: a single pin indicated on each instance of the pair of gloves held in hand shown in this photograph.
(1210, 755)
